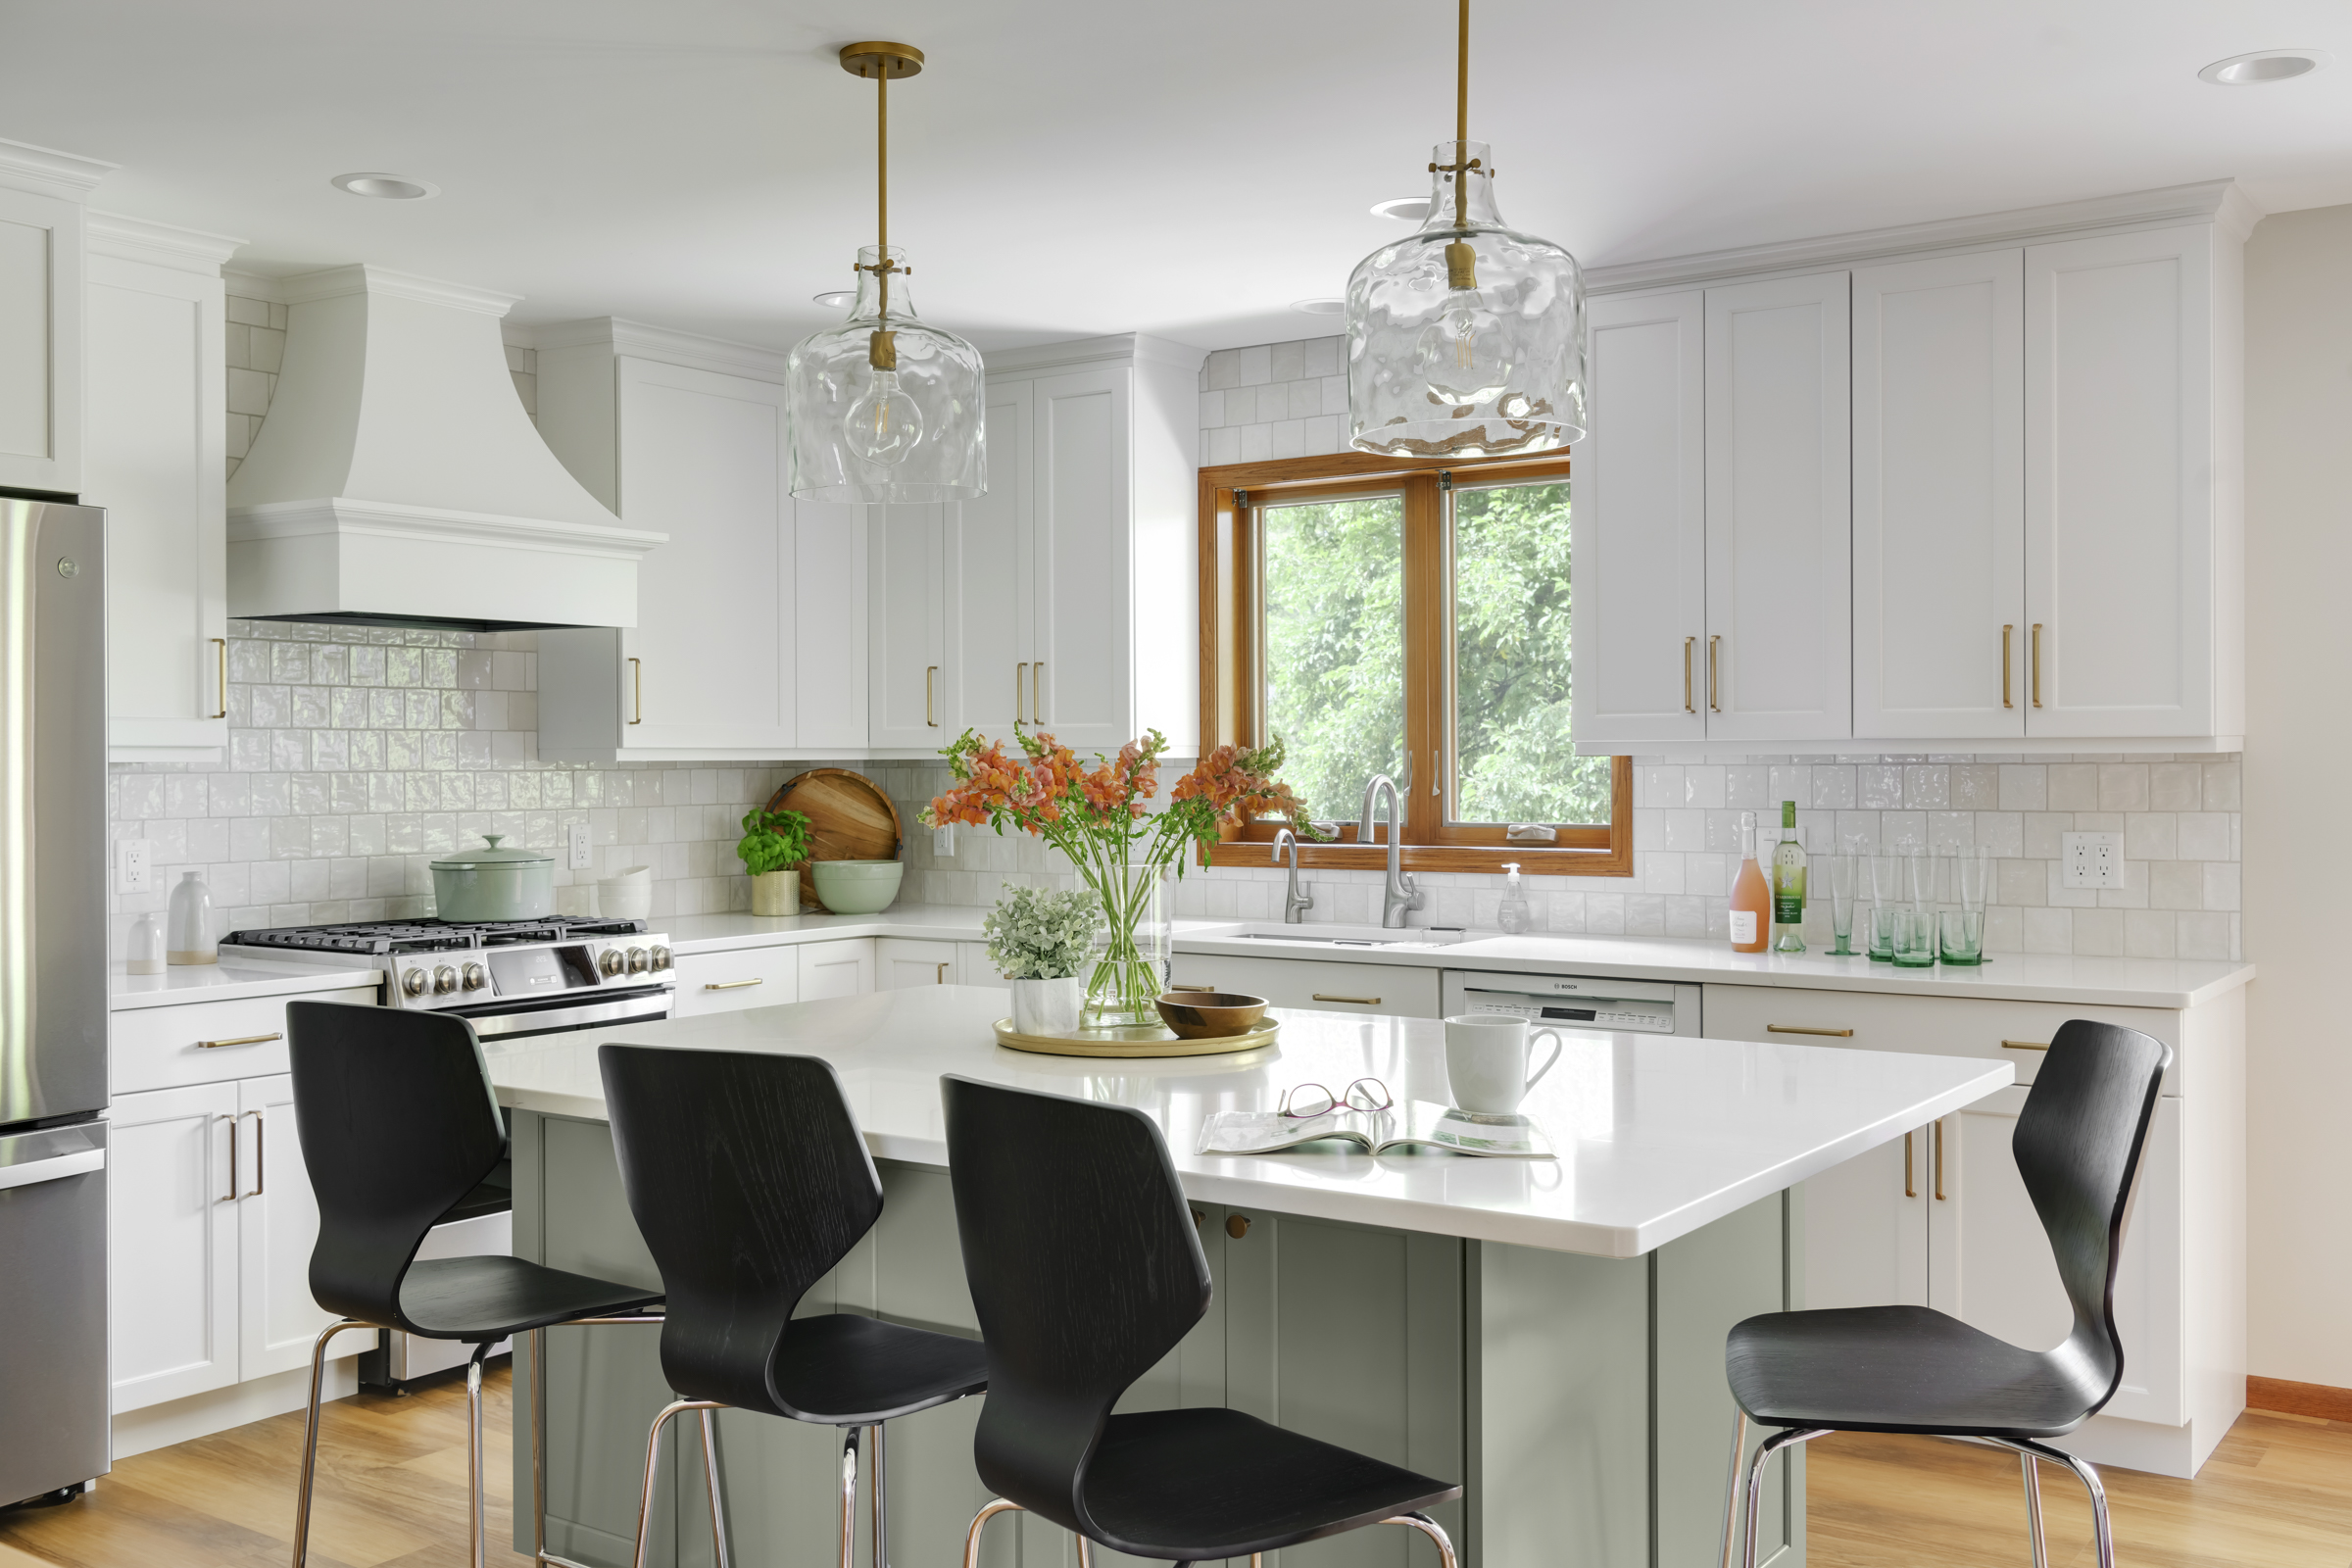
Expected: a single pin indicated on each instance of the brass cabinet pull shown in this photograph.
(1909, 1191)
(2036, 663)
(1173, 987)
(2005, 631)
(731, 985)
(1688, 644)
(1237, 1226)
(261, 1152)
(241, 1040)
(942, 974)
(1020, 672)
(2025, 1045)
(930, 717)
(1940, 1161)
(1714, 695)
(222, 642)
(637, 686)
(1199, 1219)
(230, 1195)
(1801, 1029)
(1366, 1002)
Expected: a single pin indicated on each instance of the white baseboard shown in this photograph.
(200, 1415)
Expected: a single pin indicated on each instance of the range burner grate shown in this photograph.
(377, 936)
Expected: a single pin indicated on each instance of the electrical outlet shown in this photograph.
(943, 842)
(2091, 860)
(583, 847)
(134, 866)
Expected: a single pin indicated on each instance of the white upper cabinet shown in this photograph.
(41, 315)
(1940, 544)
(750, 639)
(994, 566)
(1638, 521)
(2132, 544)
(908, 630)
(1081, 689)
(1779, 514)
(154, 456)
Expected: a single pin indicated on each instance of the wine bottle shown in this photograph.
(1787, 885)
(1751, 899)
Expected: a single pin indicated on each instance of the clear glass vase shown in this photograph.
(1131, 967)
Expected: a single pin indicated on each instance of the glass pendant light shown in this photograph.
(1466, 339)
(883, 407)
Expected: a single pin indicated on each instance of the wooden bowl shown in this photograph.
(1207, 1014)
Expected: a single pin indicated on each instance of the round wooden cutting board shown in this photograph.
(850, 818)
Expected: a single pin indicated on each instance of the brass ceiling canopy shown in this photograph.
(892, 62)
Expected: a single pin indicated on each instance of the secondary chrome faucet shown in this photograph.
(1296, 901)
(1399, 895)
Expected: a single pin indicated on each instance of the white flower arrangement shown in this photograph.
(1040, 934)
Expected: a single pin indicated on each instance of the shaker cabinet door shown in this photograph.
(1638, 519)
(173, 1251)
(993, 577)
(1082, 651)
(277, 1225)
(40, 342)
(1778, 510)
(906, 632)
(1940, 547)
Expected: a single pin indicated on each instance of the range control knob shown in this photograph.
(445, 980)
(474, 977)
(610, 963)
(661, 959)
(638, 961)
(414, 981)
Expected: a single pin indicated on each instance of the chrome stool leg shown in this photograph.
(652, 1464)
(477, 1527)
(873, 1460)
(993, 1508)
(2033, 1469)
(1785, 1437)
(718, 1508)
(849, 1495)
(1731, 1483)
(310, 1439)
(541, 1557)
(1415, 1521)
(2102, 1532)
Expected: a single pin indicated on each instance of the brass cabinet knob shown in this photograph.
(1237, 1226)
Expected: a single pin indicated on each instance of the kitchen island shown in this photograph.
(1550, 1331)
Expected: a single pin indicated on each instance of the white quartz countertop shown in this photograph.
(1658, 1136)
(2010, 976)
(226, 982)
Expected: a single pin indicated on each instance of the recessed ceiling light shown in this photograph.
(836, 299)
(385, 187)
(1406, 208)
(1322, 307)
(2263, 67)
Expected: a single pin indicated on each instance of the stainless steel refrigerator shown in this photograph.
(53, 1145)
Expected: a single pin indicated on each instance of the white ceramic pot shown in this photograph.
(777, 891)
(193, 940)
(1048, 1006)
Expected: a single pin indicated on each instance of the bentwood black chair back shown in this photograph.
(749, 1180)
(1084, 1268)
(398, 1122)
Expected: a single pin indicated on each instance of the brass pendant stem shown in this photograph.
(882, 176)
(1461, 121)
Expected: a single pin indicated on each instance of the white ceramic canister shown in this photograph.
(145, 954)
(191, 937)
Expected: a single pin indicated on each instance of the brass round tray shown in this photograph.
(1134, 1040)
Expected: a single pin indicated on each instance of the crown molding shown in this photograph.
(254, 286)
(349, 515)
(1140, 346)
(50, 173)
(641, 340)
(333, 282)
(136, 239)
(2220, 201)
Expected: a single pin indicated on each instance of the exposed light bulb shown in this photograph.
(1464, 356)
(883, 426)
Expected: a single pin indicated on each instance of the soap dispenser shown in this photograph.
(1513, 914)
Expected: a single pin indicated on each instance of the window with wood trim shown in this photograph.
(1411, 621)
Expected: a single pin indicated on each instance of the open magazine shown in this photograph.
(1416, 1124)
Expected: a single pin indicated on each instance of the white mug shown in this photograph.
(1486, 1061)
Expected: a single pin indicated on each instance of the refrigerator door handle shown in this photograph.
(55, 1168)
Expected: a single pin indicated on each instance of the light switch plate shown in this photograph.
(582, 846)
(134, 866)
(943, 842)
(2091, 860)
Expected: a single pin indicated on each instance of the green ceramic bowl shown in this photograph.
(857, 887)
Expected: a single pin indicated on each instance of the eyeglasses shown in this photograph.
(1305, 1101)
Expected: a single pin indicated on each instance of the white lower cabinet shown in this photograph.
(211, 1213)
(974, 967)
(900, 964)
(1396, 990)
(1941, 1217)
(735, 979)
(844, 969)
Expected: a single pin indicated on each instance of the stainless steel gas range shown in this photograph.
(505, 977)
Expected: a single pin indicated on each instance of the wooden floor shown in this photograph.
(2278, 1494)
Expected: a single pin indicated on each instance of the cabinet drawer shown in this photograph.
(1937, 1026)
(206, 1041)
(1384, 987)
(737, 978)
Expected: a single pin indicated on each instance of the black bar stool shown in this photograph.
(398, 1123)
(750, 1181)
(1043, 1184)
(1913, 1370)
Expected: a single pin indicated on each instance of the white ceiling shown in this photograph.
(1070, 166)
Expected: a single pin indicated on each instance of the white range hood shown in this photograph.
(396, 479)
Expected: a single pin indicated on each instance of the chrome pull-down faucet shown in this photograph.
(1399, 895)
(1296, 901)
